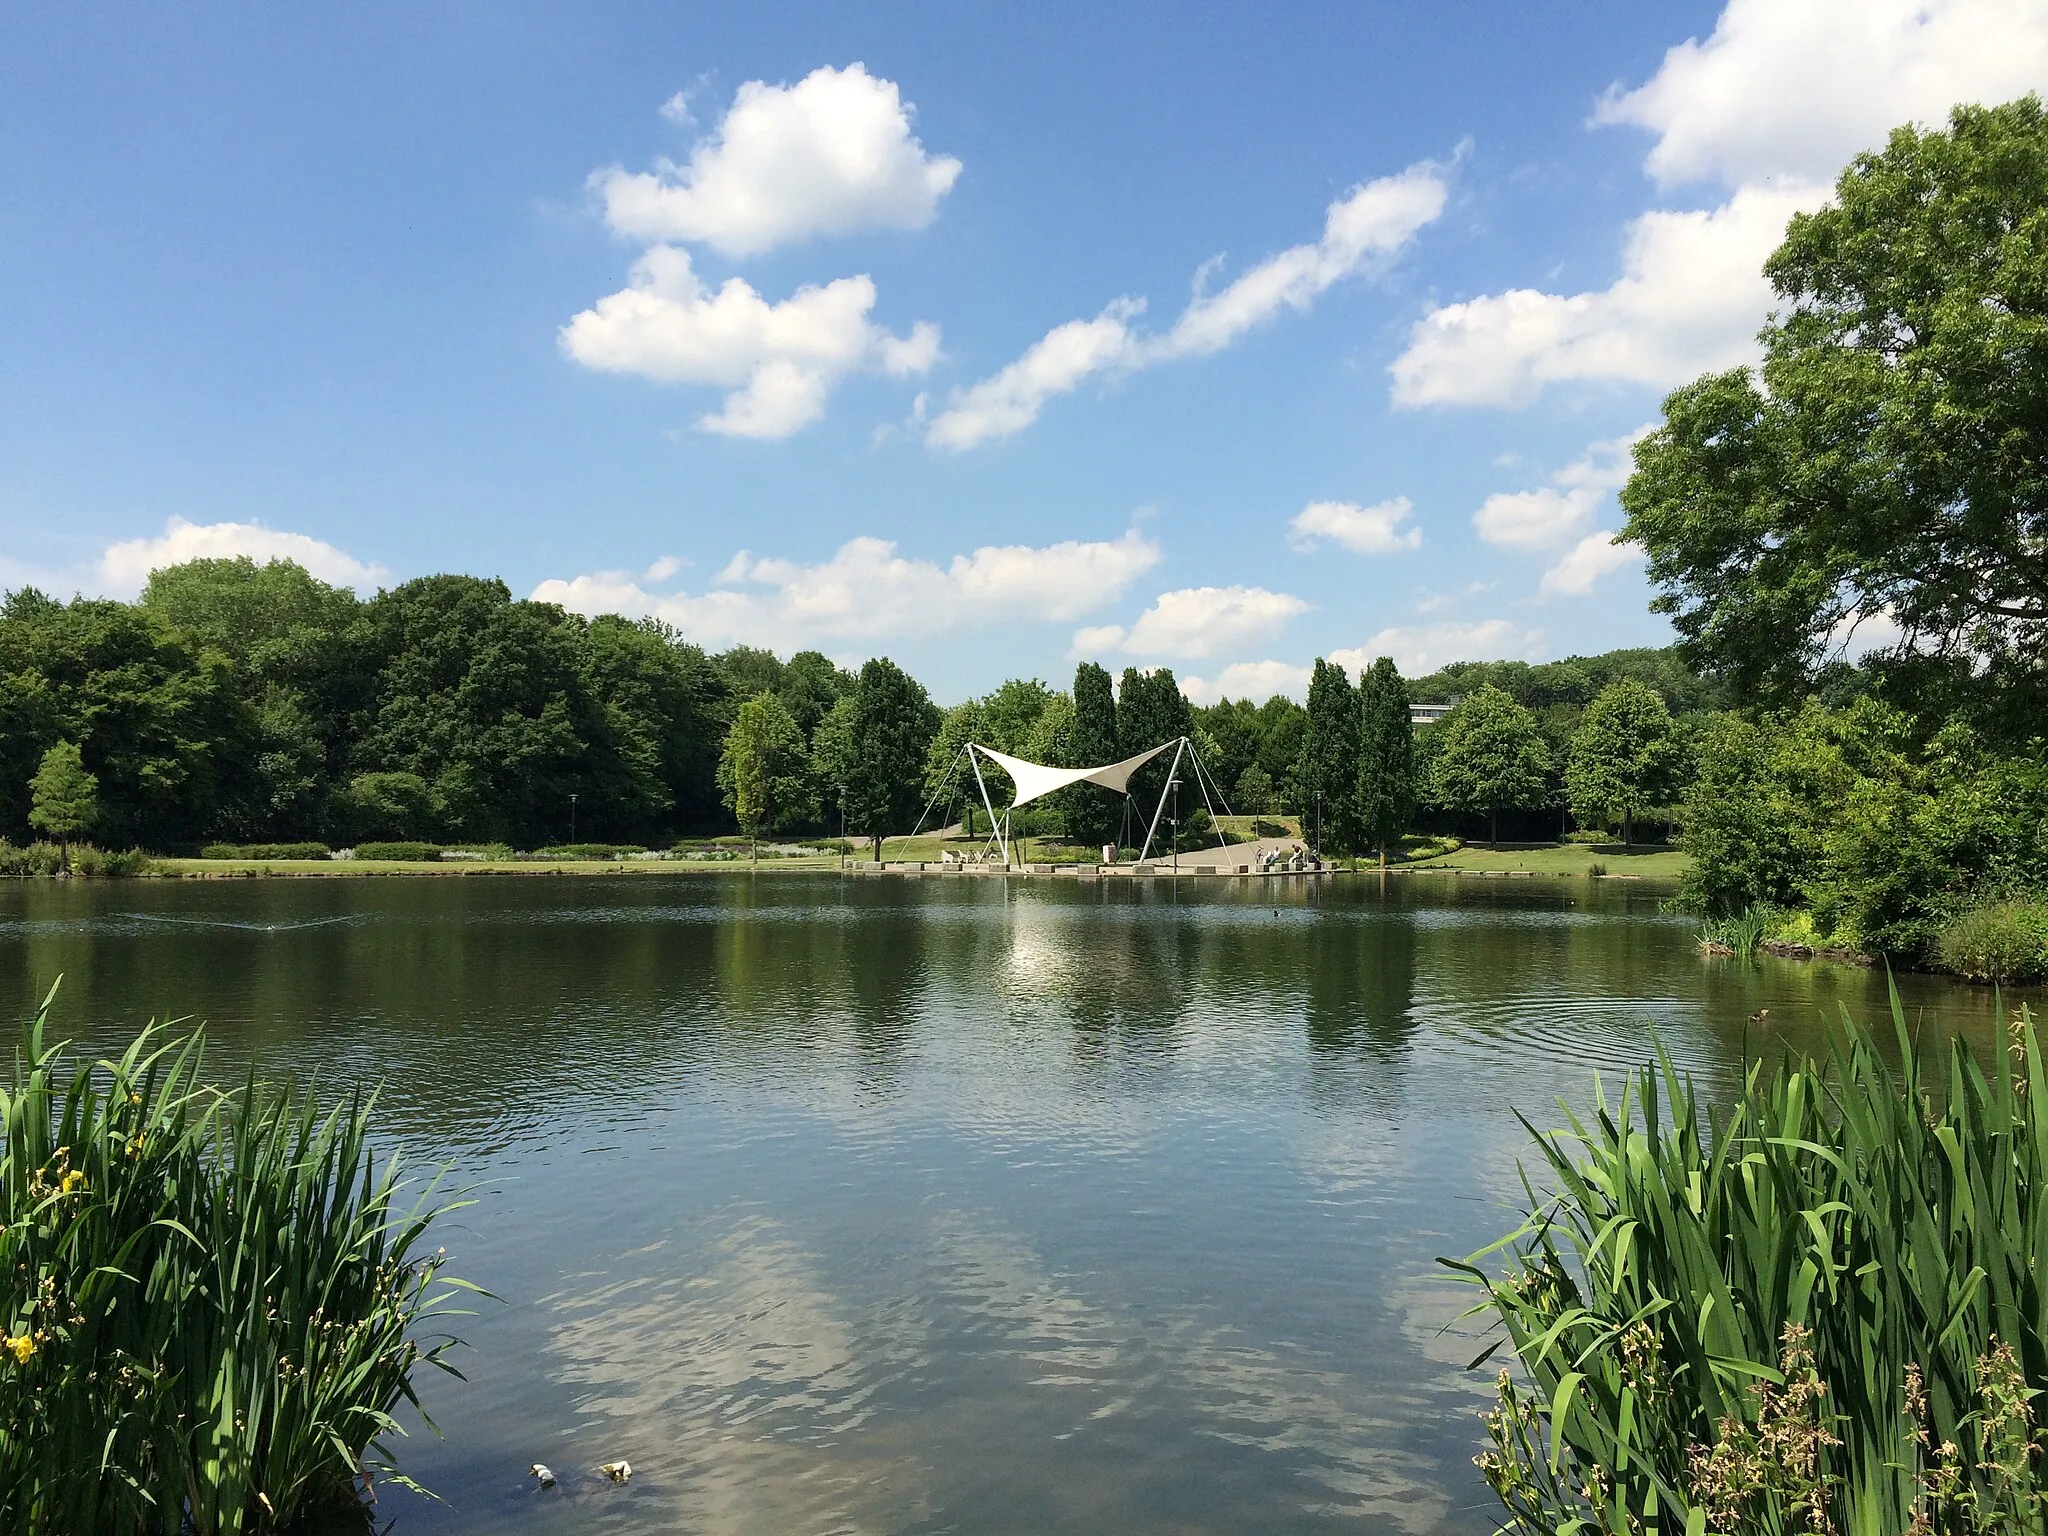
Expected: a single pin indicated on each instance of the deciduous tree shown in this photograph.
(890, 723)
(1489, 757)
(764, 770)
(1624, 757)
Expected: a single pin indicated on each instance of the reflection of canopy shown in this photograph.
(1035, 779)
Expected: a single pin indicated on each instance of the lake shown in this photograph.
(948, 1204)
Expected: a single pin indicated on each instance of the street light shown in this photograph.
(1173, 785)
(572, 818)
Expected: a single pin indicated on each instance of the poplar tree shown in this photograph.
(890, 724)
(1328, 773)
(1386, 756)
(1096, 815)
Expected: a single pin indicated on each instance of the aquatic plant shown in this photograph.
(1824, 1311)
(210, 1303)
(2000, 941)
(1742, 934)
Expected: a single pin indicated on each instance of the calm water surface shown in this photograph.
(892, 1205)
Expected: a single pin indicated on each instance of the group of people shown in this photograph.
(1295, 860)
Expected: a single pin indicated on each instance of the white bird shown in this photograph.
(617, 1471)
(540, 1470)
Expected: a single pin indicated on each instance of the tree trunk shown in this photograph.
(878, 847)
(1628, 827)
(1383, 853)
(1493, 830)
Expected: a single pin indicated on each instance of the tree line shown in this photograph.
(254, 703)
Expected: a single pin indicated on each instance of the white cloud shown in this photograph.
(1772, 106)
(1551, 514)
(1691, 297)
(785, 358)
(1373, 530)
(867, 592)
(1365, 226)
(1195, 622)
(1257, 680)
(831, 154)
(1424, 648)
(1009, 401)
(1586, 562)
(124, 568)
(1796, 87)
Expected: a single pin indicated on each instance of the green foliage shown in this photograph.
(1094, 818)
(399, 852)
(1326, 775)
(888, 728)
(1150, 708)
(81, 858)
(1892, 456)
(765, 770)
(1487, 757)
(212, 1304)
(1824, 1311)
(265, 851)
(1386, 757)
(588, 851)
(1573, 683)
(63, 797)
(1742, 934)
(1254, 794)
(1884, 838)
(152, 712)
(389, 805)
(1999, 941)
(1624, 757)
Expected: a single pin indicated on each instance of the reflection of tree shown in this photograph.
(1361, 983)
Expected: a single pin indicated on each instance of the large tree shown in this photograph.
(889, 725)
(1489, 757)
(1624, 757)
(1095, 815)
(1150, 709)
(1386, 756)
(1888, 464)
(764, 771)
(1327, 776)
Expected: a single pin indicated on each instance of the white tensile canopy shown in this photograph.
(1035, 780)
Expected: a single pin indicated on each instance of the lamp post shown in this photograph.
(572, 817)
(1174, 786)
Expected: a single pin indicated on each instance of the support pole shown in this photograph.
(1202, 775)
(1161, 810)
(944, 784)
(996, 828)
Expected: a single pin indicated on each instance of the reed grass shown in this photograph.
(214, 1303)
(1824, 1310)
(1742, 934)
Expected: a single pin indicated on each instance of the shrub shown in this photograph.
(47, 859)
(588, 851)
(399, 852)
(2001, 941)
(210, 1304)
(1821, 1312)
(265, 851)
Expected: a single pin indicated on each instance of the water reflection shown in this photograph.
(946, 1204)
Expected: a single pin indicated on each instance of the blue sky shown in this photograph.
(821, 326)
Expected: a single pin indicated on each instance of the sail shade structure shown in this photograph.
(1035, 780)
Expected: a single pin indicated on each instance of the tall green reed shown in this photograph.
(1825, 1310)
(211, 1304)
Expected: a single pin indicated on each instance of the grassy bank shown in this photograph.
(1581, 859)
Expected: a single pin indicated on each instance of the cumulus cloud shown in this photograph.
(1373, 530)
(1770, 106)
(1586, 562)
(1690, 298)
(124, 568)
(1365, 227)
(1423, 648)
(832, 154)
(1195, 622)
(1548, 515)
(785, 357)
(1258, 680)
(868, 592)
(1796, 87)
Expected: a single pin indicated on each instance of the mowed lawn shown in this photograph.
(1572, 859)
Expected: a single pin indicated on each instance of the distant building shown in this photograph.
(1429, 714)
